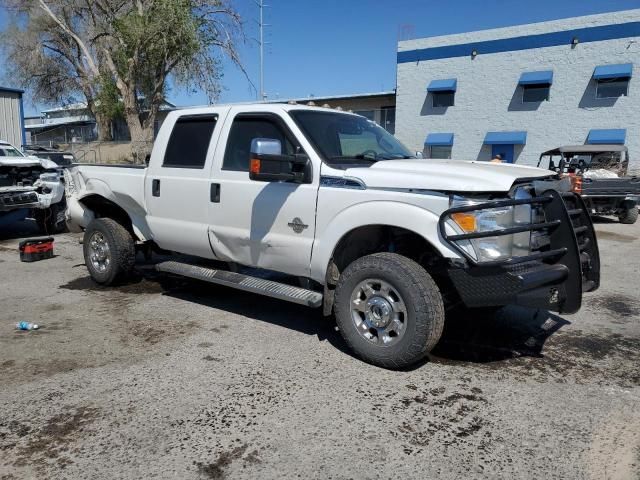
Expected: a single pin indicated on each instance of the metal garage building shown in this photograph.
(12, 116)
(521, 90)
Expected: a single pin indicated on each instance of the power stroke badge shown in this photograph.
(297, 225)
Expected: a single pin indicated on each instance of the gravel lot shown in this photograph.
(176, 379)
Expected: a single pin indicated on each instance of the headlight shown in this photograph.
(50, 177)
(497, 247)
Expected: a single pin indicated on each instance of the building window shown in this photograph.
(442, 92)
(612, 87)
(535, 93)
(368, 114)
(388, 118)
(438, 151)
(443, 99)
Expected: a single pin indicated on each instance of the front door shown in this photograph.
(268, 225)
(505, 151)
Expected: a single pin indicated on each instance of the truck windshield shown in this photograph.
(9, 151)
(342, 138)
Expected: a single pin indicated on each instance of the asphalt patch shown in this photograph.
(618, 237)
(618, 305)
(136, 287)
(38, 447)
(436, 416)
(217, 470)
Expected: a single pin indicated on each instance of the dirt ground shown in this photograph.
(176, 379)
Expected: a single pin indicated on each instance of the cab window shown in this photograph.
(243, 130)
(189, 141)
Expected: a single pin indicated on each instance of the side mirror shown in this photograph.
(419, 154)
(147, 159)
(267, 164)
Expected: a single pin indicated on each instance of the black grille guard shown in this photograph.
(570, 264)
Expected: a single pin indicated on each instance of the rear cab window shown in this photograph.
(189, 141)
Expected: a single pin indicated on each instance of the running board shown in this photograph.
(269, 288)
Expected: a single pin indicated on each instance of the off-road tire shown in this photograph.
(423, 301)
(51, 220)
(629, 216)
(122, 250)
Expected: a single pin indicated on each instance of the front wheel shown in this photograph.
(389, 310)
(109, 251)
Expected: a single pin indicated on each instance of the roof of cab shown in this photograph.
(260, 107)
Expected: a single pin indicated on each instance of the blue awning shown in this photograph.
(505, 138)
(612, 135)
(536, 78)
(439, 139)
(622, 70)
(446, 85)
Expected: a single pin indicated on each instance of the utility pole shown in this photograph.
(261, 42)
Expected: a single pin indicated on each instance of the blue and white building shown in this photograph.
(521, 90)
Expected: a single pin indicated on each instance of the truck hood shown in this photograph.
(444, 175)
(27, 162)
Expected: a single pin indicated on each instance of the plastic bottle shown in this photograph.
(26, 326)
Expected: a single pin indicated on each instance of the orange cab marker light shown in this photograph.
(465, 221)
(255, 166)
(576, 183)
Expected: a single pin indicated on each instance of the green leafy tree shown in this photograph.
(120, 54)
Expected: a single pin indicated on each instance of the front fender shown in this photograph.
(395, 214)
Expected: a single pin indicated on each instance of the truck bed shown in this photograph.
(122, 184)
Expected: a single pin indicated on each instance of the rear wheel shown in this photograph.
(629, 215)
(389, 310)
(109, 251)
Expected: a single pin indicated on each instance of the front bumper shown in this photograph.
(554, 278)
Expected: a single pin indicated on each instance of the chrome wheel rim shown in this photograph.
(99, 252)
(378, 312)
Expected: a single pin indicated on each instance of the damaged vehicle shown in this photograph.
(30, 187)
(60, 157)
(598, 173)
(327, 209)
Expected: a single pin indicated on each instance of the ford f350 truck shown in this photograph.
(347, 217)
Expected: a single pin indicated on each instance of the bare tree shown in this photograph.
(119, 54)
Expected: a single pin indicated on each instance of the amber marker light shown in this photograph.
(465, 221)
(254, 166)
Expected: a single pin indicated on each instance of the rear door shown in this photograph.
(269, 225)
(177, 183)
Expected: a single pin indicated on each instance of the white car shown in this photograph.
(30, 186)
(349, 219)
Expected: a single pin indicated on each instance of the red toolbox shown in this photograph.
(35, 249)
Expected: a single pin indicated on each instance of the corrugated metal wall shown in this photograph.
(10, 118)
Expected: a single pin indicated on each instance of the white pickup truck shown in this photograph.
(349, 219)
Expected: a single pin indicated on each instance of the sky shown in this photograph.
(334, 47)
